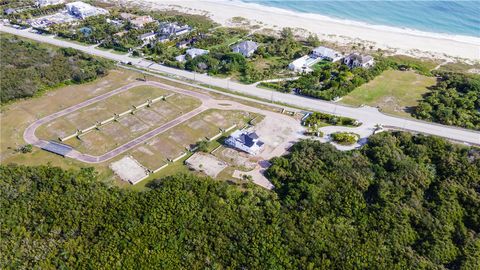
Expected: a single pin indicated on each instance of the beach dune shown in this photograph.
(405, 41)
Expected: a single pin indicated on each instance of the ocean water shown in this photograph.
(439, 16)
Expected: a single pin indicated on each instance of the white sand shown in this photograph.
(405, 41)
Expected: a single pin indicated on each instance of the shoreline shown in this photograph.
(402, 40)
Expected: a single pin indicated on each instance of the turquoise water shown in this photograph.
(452, 17)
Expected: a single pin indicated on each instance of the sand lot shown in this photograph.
(128, 169)
(206, 163)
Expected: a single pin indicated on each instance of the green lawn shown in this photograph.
(321, 64)
(394, 92)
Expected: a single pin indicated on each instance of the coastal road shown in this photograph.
(366, 115)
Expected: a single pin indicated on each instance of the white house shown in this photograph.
(193, 52)
(147, 37)
(357, 60)
(246, 48)
(245, 141)
(326, 53)
(303, 64)
(84, 10)
(44, 3)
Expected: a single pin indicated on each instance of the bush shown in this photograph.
(27, 148)
(344, 138)
(203, 146)
(320, 119)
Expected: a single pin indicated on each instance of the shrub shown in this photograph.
(344, 138)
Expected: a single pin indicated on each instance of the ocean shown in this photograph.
(438, 16)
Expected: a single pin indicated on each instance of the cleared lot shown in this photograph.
(394, 92)
(127, 127)
(174, 142)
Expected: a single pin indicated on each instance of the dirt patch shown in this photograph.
(206, 163)
(237, 159)
(129, 169)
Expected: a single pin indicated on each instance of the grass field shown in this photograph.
(393, 92)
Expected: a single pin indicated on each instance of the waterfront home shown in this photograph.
(193, 52)
(354, 60)
(173, 29)
(326, 53)
(303, 64)
(83, 10)
(245, 141)
(246, 48)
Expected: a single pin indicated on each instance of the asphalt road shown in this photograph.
(366, 115)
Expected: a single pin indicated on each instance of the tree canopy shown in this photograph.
(28, 67)
(455, 100)
(400, 202)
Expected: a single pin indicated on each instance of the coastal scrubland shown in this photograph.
(29, 68)
(401, 201)
(454, 100)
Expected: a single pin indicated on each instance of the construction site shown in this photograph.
(142, 128)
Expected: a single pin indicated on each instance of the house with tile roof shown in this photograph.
(245, 141)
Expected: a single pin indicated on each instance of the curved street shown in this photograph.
(207, 103)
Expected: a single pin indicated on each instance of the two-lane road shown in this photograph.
(367, 115)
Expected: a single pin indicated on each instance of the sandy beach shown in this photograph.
(403, 41)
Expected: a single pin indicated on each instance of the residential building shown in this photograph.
(116, 23)
(357, 60)
(326, 53)
(84, 10)
(185, 43)
(86, 31)
(180, 58)
(303, 64)
(245, 141)
(193, 52)
(140, 21)
(44, 3)
(148, 37)
(173, 29)
(246, 48)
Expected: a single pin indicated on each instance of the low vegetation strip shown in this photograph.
(323, 119)
(398, 202)
(28, 68)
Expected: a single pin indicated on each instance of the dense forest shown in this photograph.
(454, 100)
(400, 202)
(28, 67)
